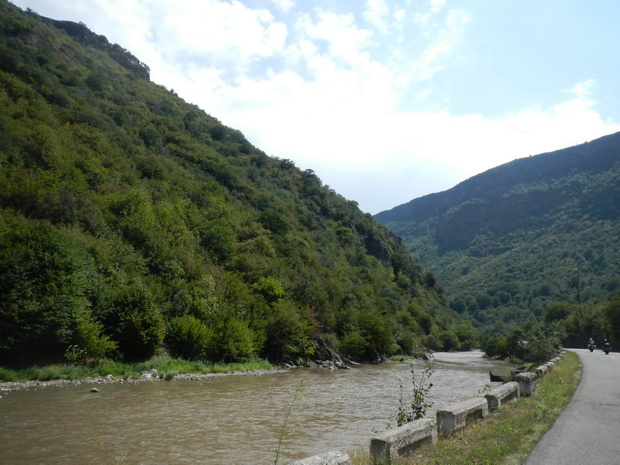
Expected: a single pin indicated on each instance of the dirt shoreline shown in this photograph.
(148, 376)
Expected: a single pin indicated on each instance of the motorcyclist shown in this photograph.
(606, 346)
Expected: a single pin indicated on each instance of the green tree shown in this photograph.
(270, 288)
(189, 338)
(135, 322)
(449, 340)
(94, 344)
(220, 240)
(611, 311)
(44, 286)
(467, 336)
(234, 341)
(288, 333)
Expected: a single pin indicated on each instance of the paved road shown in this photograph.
(587, 432)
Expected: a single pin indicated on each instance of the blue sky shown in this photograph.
(386, 101)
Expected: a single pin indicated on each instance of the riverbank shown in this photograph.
(158, 368)
(8, 386)
(161, 368)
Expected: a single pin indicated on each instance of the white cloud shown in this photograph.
(346, 41)
(434, 8)
(583, 89)
(283, 5)
(440, 38)
(217, 34)
(376, 13)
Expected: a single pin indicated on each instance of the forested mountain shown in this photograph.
(132, 222)
(507, 242)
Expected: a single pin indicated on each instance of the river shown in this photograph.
(225, 420)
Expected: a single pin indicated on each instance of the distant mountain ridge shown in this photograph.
(555, 214)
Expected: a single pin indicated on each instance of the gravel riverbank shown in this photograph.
(147, 376)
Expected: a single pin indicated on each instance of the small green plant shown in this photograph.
(484, 390)
(416, 407)
(75, 355)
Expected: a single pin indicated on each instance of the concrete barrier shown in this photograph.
(541, 371)
(330, 458)
(401, 441)
(457, 416)
(527, 383)
(502, 395)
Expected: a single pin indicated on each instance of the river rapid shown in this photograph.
(225, 420)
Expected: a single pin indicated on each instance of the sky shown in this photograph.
(385, 100)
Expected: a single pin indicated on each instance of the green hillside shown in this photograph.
(132, 223)
(506, 243)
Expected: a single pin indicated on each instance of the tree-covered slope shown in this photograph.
(508, 241)
(132, 222)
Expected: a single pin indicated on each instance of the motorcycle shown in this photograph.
(606, 348)
(591, 347)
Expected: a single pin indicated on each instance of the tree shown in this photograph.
(189, 338)
(234, 341)
(135, 322)
(612, 314)
(288, 333)
(92, 343)
(44, 284)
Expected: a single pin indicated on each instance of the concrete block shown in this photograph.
(401, 441)
(330, 458)
(454, 417)
(556, 360)
(527, 383)
(502, 395)
(541, 371)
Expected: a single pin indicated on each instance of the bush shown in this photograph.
(288, 333)
(234, 342)
(94, 344)
(188, 338)
(136, 322)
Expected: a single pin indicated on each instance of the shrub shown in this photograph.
(234, 342)
(415, 408)
(288, 333)
(136, 322)
(94, 344)
(188, 337)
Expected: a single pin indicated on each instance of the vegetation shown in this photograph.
(525, 242)
(509, 436)
(166, 366)
(415, 408)
(134, 224)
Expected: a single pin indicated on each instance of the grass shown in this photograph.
(506, 437)
(166, 366)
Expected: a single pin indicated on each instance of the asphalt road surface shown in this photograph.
(587, 432)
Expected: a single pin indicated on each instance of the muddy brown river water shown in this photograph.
(227, 420)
